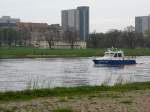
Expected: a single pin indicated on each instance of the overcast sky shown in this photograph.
(104, 14)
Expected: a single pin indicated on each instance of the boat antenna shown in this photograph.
(112, 48)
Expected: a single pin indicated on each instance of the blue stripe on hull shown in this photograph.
(115, 62)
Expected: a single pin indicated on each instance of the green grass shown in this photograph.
(36, 52)
(63, 110)
(137, 52)
(72, 91)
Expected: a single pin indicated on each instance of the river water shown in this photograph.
(20, 74)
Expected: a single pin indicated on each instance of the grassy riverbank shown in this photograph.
(36, 52)
(72, 91)
(134, 97)
(39, 53)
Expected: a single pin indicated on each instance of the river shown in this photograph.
(20, 74)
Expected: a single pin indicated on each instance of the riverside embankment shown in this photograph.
(39, 53)
(134, 97)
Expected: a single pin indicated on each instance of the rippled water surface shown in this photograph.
(19, 74)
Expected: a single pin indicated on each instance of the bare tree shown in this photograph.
(25, 36)
(121, 39)
(49, 37)
(129, 29)
(71, 36)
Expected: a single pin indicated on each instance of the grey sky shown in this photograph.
(104, 14)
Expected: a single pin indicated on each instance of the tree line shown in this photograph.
(128, 38)
(119, 39)
(11, 37)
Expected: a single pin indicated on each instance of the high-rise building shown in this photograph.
(84, 22)
(70, 19)
(77, 19)
(142, 24)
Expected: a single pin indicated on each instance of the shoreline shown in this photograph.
(41, 56)
(54, 56)
(10, 53)
(71, 91)
(134, 97)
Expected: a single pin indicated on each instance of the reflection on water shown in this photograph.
(15, 74)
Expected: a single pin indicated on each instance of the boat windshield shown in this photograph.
(118, 55)
(109, 54)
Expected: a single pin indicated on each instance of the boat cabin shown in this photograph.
(114, 54)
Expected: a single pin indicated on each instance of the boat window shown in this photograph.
(115, 55)
(119, 55)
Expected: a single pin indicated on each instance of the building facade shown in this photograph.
(84, 22)
(70, 19)
(32, 26)
(77, 19)
(8, 19)
(59, 45)
(142, 24)
(8, 22)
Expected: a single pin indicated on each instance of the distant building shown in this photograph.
(59, 45)
(35, 30)
(32, 26)
(58, 31)
(70, 19)
(8, 22)
(8, 19)
(84, 22)
(64, 45)
(8, 25)
(142, 24)
(77, 19)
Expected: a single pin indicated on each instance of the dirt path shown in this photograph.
(134, 101)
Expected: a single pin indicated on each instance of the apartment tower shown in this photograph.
(142, 24)
(77, 19)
